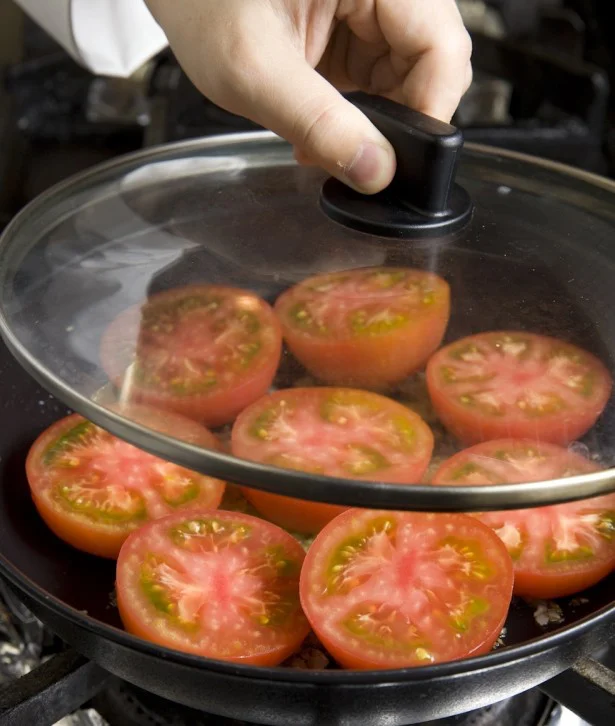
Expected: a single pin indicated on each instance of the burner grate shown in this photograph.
(124, 705)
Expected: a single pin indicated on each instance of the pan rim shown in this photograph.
(331, 678)
(347, 492)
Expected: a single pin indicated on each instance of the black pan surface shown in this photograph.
(73, 594)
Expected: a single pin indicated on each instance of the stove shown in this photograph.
(56, 119)
(43, 682)
(542, 75)
(128, 706)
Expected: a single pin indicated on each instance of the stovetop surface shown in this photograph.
(57, 134)
(25, 643)
(125, 705)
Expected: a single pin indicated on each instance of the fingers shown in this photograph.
(431, 38)
(246, 58)
(282, 92)
(302, 158)
(469, 75)
(253, 59)
(323, 125)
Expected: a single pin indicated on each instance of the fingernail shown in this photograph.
(371, 169)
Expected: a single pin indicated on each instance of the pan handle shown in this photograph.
(587, 689)
(51, 691)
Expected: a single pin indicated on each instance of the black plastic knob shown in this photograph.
(423, 199)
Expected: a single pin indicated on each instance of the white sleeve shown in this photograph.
(110, 37)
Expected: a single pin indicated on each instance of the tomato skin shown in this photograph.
(77, 534)
(218, 409)
(511, 461)
(142, 620)
(313, 432)
(214, 407)
(472, 426)
(465, 427)
(296, 515)
(98, 538)
(134, 625)
(533, 581)
(407, 576)
(537, 586)
(367, 360)
(360, 363)
(535, 575)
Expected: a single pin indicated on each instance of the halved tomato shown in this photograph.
(93, 489)
(369, 327)
(398, 589)
(557, 550)
(334, 431)
(204, 351)
(219, 584)
(517, 385)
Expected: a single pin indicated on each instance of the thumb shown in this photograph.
(294, 101)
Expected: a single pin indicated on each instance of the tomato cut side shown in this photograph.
(557, 550)
(397, 589)
(93, 489)
(204, 351)
(368, 327)
(337, 432)
(219, 584)
(517, 385)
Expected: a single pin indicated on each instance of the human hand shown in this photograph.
(279, 63)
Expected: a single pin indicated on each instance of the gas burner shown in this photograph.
(124, 705)
(113, 702)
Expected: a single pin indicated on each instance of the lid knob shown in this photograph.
(423, 199)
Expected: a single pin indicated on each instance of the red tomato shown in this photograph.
(398, 589)
(219, 584)
(203, 351)
(368, 327)
(334, 431)
(93, 489)
(517, 385)
(557, 550)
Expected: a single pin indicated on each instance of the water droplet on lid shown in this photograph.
(577, 447)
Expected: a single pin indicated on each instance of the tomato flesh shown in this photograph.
(219, 584)
(517, 385)
(399, 589)
(204, 351)
(332, 431)
(93, 489)
(369, 327)
(557, 550)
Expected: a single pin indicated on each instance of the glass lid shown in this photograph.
(446, 345)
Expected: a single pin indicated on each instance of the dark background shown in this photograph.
(542, 74)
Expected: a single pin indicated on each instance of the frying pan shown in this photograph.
(72, 593)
